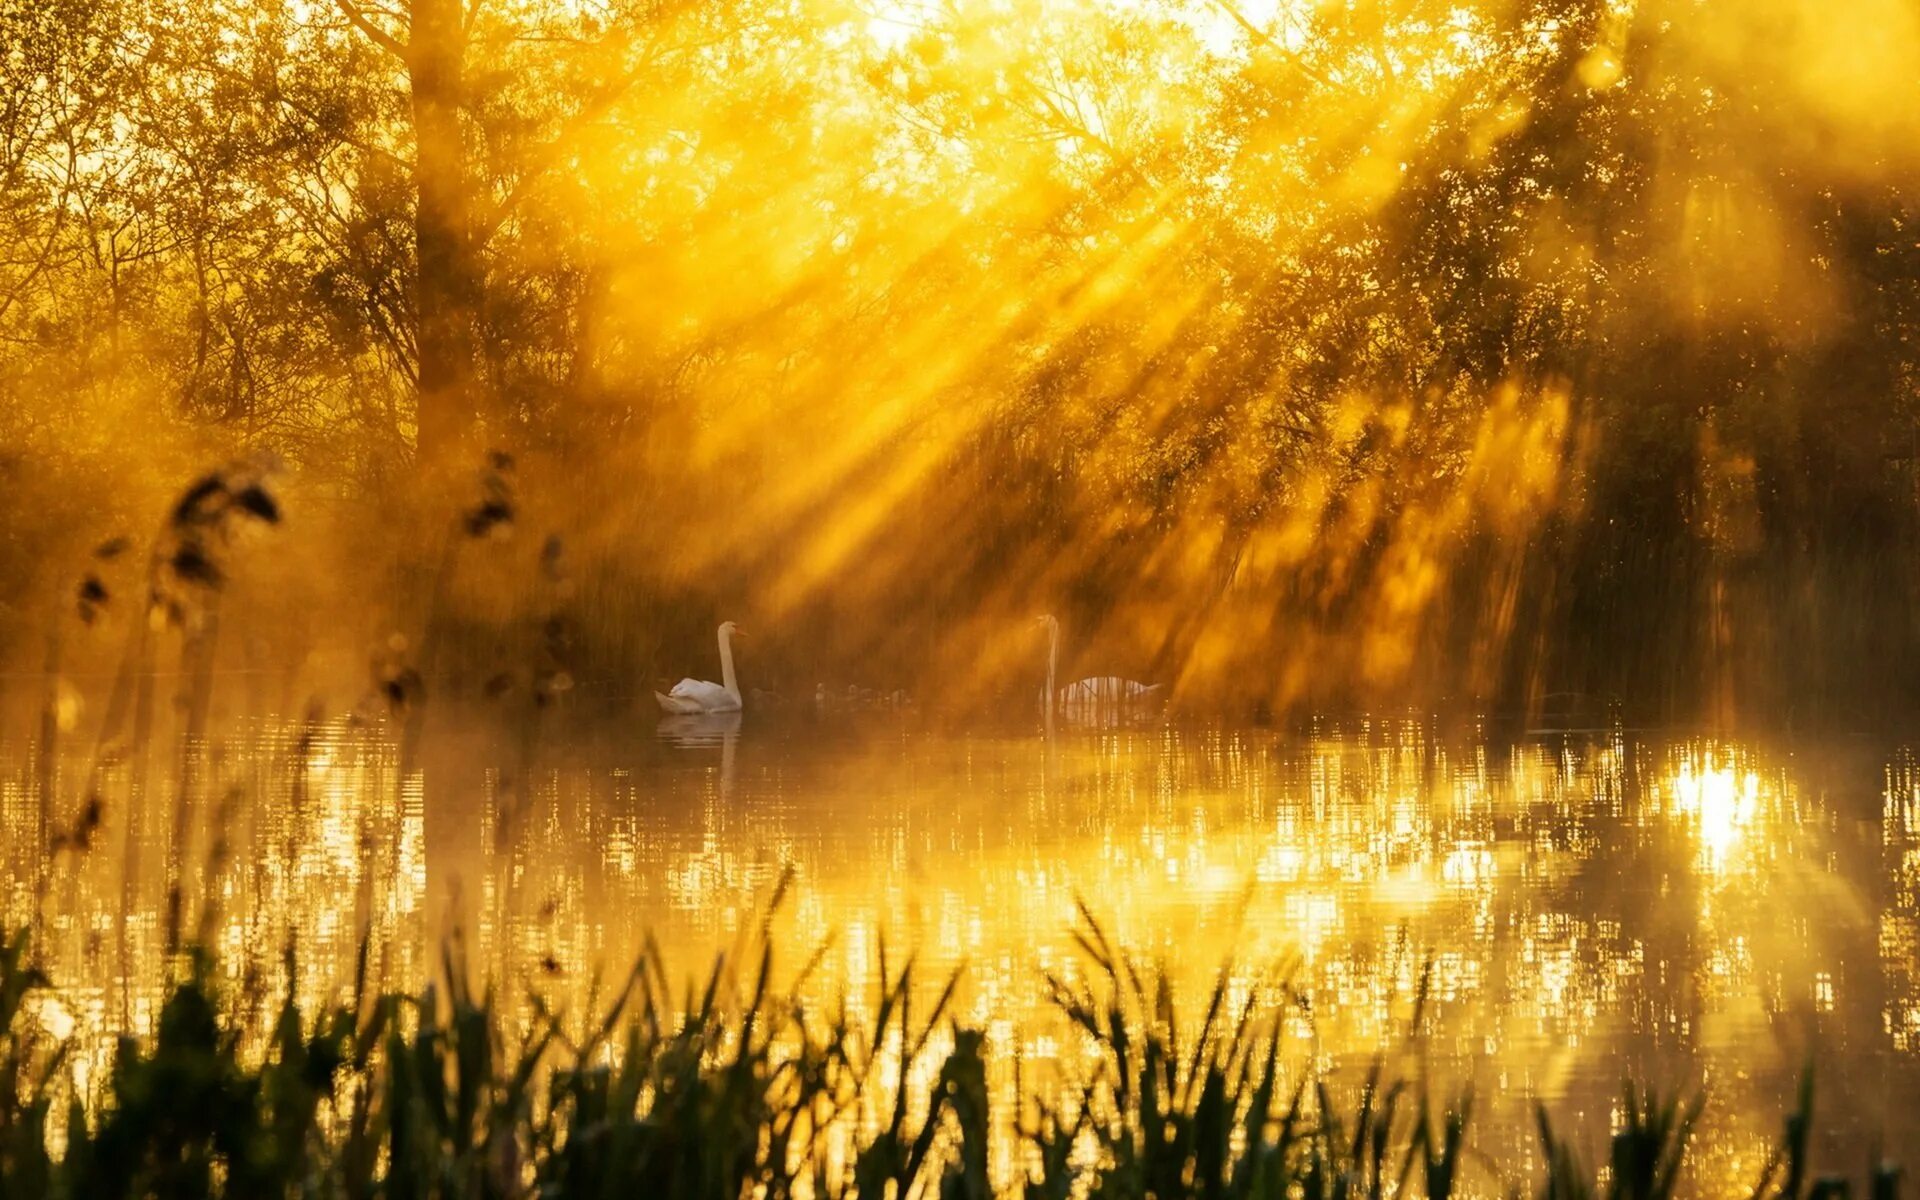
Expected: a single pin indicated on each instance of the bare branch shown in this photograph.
(381, 37)
(1264, 38)
(557, 148)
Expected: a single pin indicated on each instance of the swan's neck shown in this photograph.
(1053, 661)
(728, 679)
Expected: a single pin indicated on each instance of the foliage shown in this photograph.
(1496, 348)
(737, 1090)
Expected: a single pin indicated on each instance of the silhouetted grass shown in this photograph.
(736, 1089)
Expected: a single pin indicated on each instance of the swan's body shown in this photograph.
(693, 696)
(1092, 698)
(1105, 689)
(855, 698)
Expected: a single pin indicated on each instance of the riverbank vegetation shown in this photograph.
(734, 1089)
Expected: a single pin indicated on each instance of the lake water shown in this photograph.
(1577, 907)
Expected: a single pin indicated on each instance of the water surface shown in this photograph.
(1557, 911)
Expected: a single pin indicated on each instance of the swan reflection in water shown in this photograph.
(692, 731)
(700, 731)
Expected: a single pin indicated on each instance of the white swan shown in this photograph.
(1108, 695)
(700, 696)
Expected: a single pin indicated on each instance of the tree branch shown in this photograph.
(1262, 37)
(381, 37)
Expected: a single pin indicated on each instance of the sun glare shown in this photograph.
(1720, 801)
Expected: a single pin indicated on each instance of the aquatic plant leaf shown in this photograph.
(191, 563)
(487, 516)
(92, 597)
(403, 689)
(198, 503)
(256, 501)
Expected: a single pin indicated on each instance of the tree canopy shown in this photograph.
(1294, 351)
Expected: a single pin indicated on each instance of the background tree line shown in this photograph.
(1321, 353)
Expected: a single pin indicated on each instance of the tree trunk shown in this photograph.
(447, 277)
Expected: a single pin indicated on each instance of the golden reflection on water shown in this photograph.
(1574, 910)
(1719, 802)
